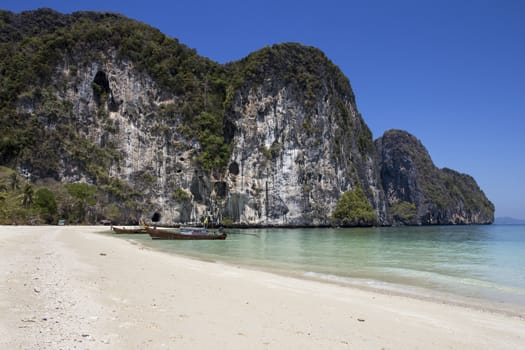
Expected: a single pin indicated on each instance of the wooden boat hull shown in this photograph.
(165, 234)
(128, 230)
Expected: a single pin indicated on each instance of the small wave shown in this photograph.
(453, 282)
(346, 280)
(486, 284)
(424, 283)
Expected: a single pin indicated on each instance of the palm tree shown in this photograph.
(27, 200)
(15, 181)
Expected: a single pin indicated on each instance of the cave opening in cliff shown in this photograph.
(234, 168)
(101, 88)
(101, 83)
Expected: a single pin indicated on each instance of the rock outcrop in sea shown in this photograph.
(273, 139)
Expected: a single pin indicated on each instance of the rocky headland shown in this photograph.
(106, 118)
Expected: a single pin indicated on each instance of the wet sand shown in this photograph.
(70, 287)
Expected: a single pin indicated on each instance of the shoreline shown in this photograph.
(428, 295)
(76, 286)
(299, 226)
(368, 285)
(419, 292)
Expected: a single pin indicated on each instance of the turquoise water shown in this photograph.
(479, 262)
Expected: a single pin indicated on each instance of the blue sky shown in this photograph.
(450, 72)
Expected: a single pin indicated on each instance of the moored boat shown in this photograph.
(200, 234)
(193, 230)
(128, 230)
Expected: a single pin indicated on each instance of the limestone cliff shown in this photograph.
(418, 192)
(273, 139)
(298, 140)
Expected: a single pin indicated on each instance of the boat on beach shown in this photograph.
(193, 230)
(124, 230)
(187, 233)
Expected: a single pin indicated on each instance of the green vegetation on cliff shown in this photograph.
(34, 44)
(403, 211)
(296, 65)
(353, 209)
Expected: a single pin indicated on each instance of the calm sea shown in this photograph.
(485, 263)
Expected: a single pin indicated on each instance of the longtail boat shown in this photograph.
(128, 230)
(198, 235)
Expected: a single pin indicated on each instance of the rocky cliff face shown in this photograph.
(298, 142)
(273, 139)
(419, 193)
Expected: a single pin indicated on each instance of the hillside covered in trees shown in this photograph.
(106, 118)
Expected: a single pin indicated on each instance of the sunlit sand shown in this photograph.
(67, 287)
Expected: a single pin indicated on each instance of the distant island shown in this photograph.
(505, 220)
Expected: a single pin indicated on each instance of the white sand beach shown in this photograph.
(72, 288)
